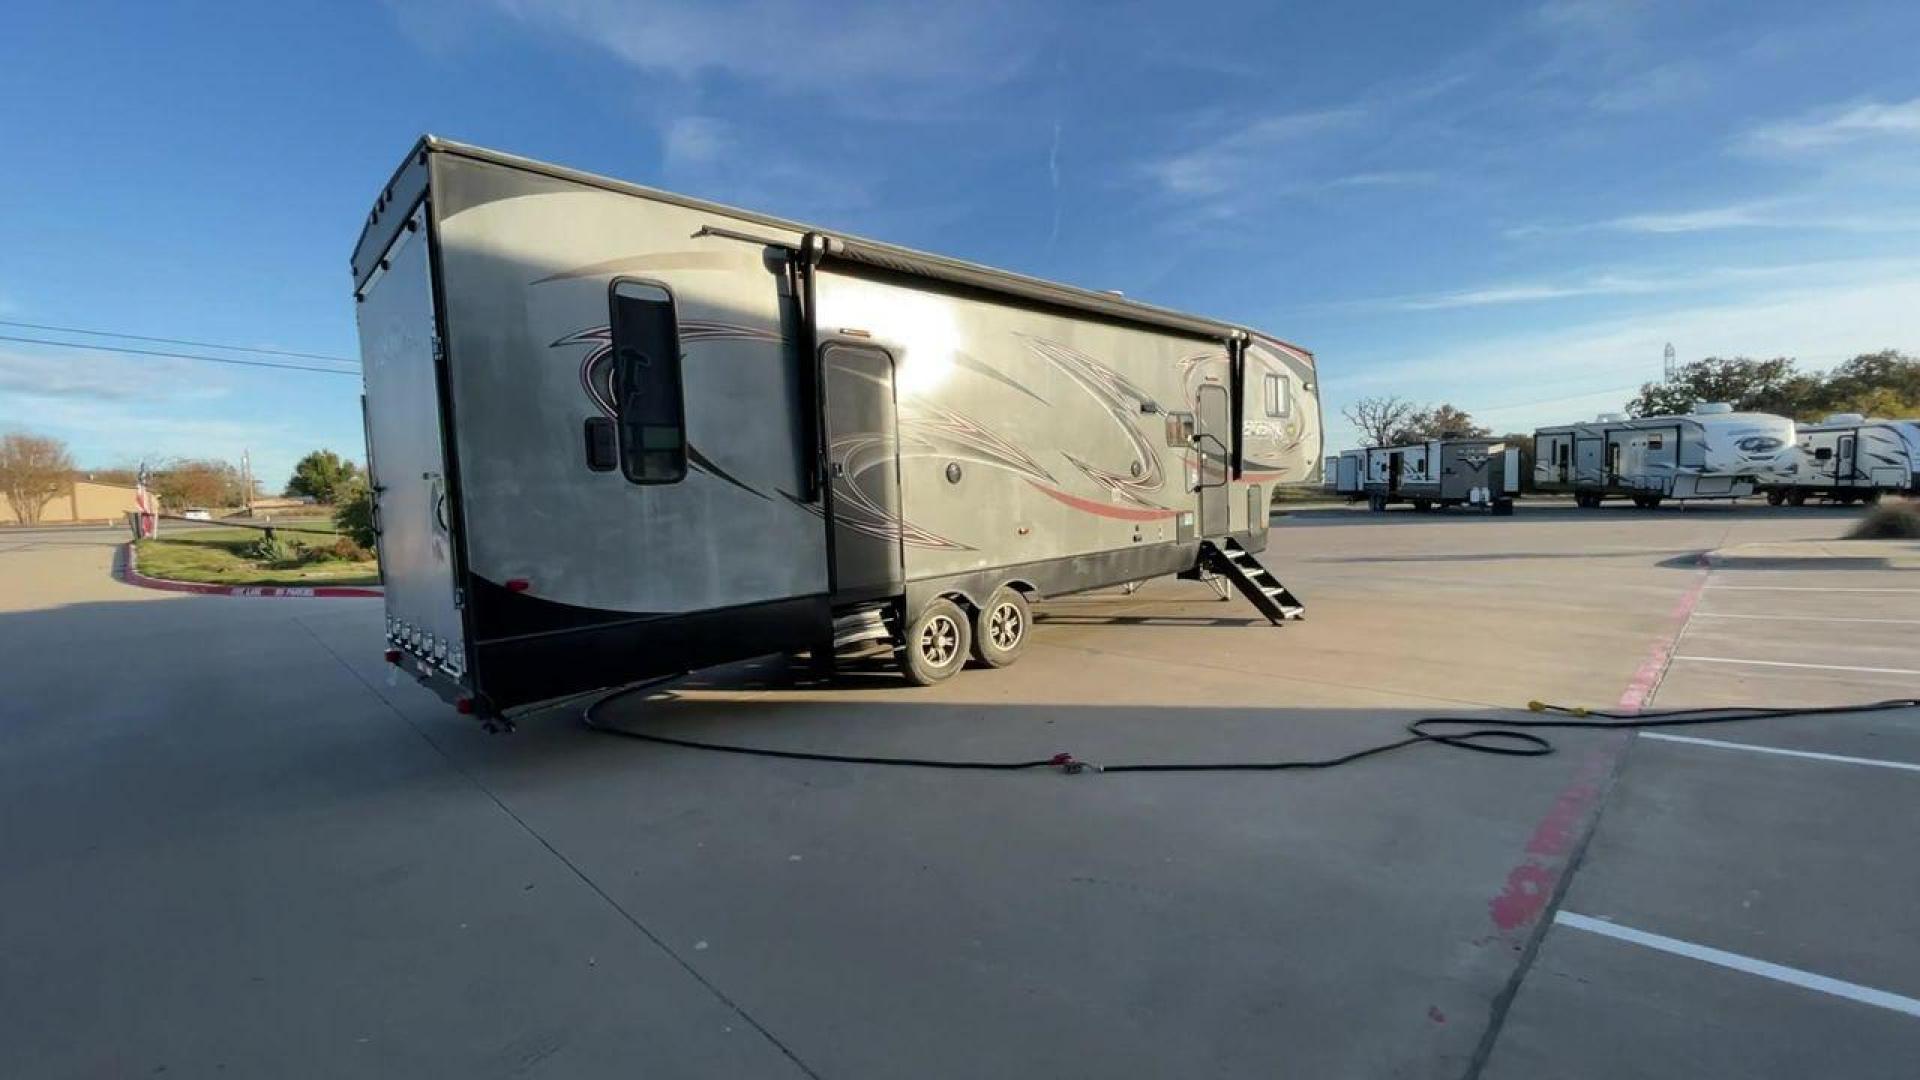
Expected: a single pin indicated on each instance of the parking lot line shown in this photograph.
(1804, 588)
(1866, 995)
(1793, 664)
(1804, 618)
(1752, 749)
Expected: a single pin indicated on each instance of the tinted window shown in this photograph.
(646, 365)
(1279, 401)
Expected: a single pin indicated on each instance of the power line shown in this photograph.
(180, 356)
(178, 341)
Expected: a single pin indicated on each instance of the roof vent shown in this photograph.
(1609, 418)
(1711, 408)
(1845, 418)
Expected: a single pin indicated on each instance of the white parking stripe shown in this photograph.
(1791, 664)
(1808, 754)
(1801, 588)
(1866, 995)
(1802, 618)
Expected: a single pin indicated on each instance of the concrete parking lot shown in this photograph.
(234, 842)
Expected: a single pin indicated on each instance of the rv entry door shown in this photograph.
(1843, 463)
(1212, 429)
(863, 472)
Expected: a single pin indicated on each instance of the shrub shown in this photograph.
(354, 518)
(1893, 519)
(269, 548)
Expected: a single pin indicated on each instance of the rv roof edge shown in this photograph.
(853, 248)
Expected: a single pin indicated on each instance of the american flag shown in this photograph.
(143, 503)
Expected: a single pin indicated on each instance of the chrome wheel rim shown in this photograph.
(1005, 626)
(940, 640)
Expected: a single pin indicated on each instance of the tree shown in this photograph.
(1881, 383)
(185, 483)
(324, 476)
(354, 515)
(33, 469)
(1438, 422)
(1378, 417)
(1744, 383)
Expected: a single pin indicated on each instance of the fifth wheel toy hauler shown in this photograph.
(1442, 473)
(1848, 457)
(616, 432)
(1710, 453)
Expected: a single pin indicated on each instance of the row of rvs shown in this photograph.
(1712, 452)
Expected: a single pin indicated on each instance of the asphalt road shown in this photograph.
(235, 844)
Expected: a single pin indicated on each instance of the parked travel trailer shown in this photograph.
(616, 432)
(1442, 472)
(1848, 457)
(1710, 453)
(1346, 474)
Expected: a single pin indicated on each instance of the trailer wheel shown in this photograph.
(1421, 506)
(1871, 497)
(1000, 628)
(1796, 498)
(1503, 508)
(936, 644)
(1775, 496)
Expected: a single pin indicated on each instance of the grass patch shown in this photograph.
(1893, 519)
(238, 557)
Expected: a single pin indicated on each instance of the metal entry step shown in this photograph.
(1255, 582)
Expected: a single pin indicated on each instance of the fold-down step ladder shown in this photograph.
(1255, 582)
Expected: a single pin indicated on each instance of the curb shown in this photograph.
(130, 573)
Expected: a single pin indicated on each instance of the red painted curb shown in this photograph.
(131, 575)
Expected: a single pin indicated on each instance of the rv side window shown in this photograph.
(1655, 442)
(646, 364)
(1279, 400)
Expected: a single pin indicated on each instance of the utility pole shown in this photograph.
(1668, 367)
(246, 477)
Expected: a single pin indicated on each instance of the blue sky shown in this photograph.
(1509, 206)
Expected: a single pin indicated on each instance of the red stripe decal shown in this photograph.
(1103, 509)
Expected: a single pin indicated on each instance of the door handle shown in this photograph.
(839, 469)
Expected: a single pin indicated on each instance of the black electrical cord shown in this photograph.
(1484, 735)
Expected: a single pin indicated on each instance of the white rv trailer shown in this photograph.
(1709, 453)
(1441, 473)
(1848, 457)
(1346, 474)
(616, 432)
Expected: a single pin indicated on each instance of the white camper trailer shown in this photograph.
(1848, 457)
(1710, 453)
(1347, 475)
(1442, 473)
(616, 432)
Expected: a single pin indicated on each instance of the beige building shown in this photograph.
(84, 501)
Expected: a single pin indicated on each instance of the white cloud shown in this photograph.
(1652, 88)
(853, 50)
(1501, 379)
(692, 142)
(1837, 125)
(29, 373)
(1231, 159)
(1761, 214)
(1630, 284)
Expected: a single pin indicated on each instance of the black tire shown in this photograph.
(1000, 628)
(1421, 506)
(1796, 497)
(1871, 498)
(936, 644)
(1503, 508)
(1377, 503)
(1775, 496)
